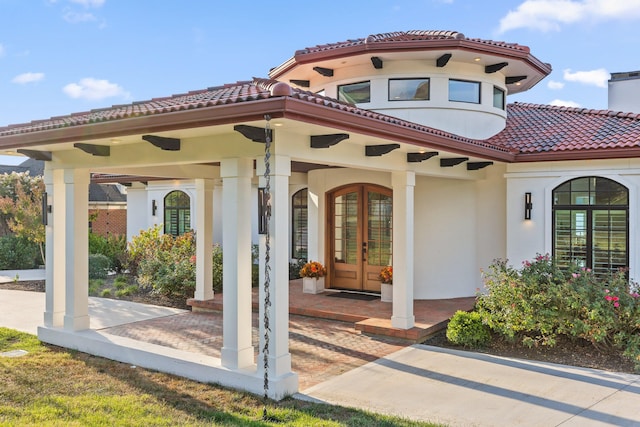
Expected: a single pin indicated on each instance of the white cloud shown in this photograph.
(76, 17)
(550, 15)
(555, 85)
(562, 103)
(25, 78)
(597, 77)
(94, 89)
(89, 3)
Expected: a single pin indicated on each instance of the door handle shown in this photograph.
(364, 251)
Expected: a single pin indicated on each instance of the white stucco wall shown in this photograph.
(472, 120)
(526, 238)
(138, 210)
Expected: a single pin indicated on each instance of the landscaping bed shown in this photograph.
(567, 352)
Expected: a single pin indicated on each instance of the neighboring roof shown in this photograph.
(106, 193)
(545, 132)
(97, 192)
(261, 96)
(34, 167)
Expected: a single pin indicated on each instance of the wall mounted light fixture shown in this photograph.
(528, 205)
(46, 209)
(264, 207)
(154, 208)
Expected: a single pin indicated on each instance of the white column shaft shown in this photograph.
(279, 358)
(76, 251)
(204, 239)
(54, 273)
(237, 351)
(403, 254)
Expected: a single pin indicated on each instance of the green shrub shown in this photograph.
(125, 292)
(121, 279)
(98, 266)
(541, 302)
(106, 293)
(113, 247)
(217, 268)
(169, 266)
(467, 329)
(18, 253)
(95, 285)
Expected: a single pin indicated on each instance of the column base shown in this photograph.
(53, 319)
(237, 359)
(79, 323)
(403, 322)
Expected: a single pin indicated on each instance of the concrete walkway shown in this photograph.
(421, 382)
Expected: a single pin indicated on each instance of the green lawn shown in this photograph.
(55, 387)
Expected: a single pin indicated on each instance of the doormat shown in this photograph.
(352, 295)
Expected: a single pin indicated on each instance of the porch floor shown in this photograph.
(370, 317)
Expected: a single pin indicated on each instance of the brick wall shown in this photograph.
(108, 221)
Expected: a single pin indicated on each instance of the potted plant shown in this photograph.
(386, 289)
(312, 274)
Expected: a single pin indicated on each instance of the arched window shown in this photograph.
(177, 213)
(299, 224)
(591, 224)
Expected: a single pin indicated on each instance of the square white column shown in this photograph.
(237, 351)
(76, 251)
(54, 231)
(204, 239)
(403, 251)
(279, 358)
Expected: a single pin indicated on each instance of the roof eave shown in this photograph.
(573, 155)
(417, 45)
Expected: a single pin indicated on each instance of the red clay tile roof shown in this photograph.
(258, 89)
(227, 94)
(538, 129)
(403, 36)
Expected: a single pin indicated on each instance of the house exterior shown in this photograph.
(107, 202)
(398, 148)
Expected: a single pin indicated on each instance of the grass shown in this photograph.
(52, 386)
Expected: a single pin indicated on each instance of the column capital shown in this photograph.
(280, 165)
(403, 178)
(240, 167)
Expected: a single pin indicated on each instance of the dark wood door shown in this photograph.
(360, 236)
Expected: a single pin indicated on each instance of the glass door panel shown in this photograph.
(346, 239)
(379, 237)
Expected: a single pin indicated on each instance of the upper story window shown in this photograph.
(498, 98)
(177, 213)
(355, 93)
(464, 91)
(409, 89)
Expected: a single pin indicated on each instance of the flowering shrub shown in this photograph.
(540, 302)
(313, 269)
(386, 275)
(167, 264)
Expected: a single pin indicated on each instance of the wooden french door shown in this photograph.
(360, 236)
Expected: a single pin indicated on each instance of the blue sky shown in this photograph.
(63, 56)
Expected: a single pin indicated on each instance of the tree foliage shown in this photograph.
(21, 205)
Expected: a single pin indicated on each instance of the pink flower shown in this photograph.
(192, 260)
(608, 298)
(575, 275)
(616, 304)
